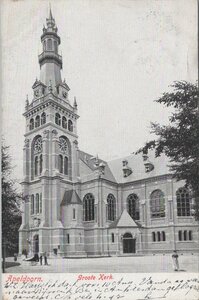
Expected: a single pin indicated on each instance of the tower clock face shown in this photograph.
(63, 146)
(38, 145)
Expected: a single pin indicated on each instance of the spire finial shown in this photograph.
(50, 12)
(27, 102)
(75, 103)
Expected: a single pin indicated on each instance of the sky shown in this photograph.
(118, 57)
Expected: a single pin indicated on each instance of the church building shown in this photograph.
(78, 205)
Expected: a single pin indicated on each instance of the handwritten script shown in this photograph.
(125, 286)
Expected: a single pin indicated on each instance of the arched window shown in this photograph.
(32, 205)
(37, 203)
(57, 119)
(31, 125)
(183, 202)
(64, 122)
(60, 163)
(37, 121)
(43, 118)
(153, 237)
(157, 204)
(133, 206)
(163, 236)
(70, 125)
(112, 238)
(185, 235)
(36, 165)
(159, 237)
(40, 203)
(88, 207)
(40, 163)
(190, 235)
(65, 155)
(37, 149)
(111, 207)
(49, 44)
(66, 165)
(180, 235)
(55, 46)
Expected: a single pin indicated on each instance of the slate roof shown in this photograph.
(136, 163)
(70, 197)
(124, 220)
(90, 162)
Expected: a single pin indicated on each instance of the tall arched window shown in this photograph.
(153, 237)
(60, 163)
(111, 207)
(65, 165)
(32, 204)
(64, 156)
(64, 122)
(37, 203)
(180, 235)
(70, 125)
(40, 203)
(88, 207)
(159, 237)
(36, 156)
(163, 236)
(183, 202)
(57, 119)
(36, 165)
(37, 121)
(40, 163)
(31, 125)
(185, 235)
(190, 235)
(55, 47)
(133, 206)
(157, 204)
(43, 118)
(49, 44)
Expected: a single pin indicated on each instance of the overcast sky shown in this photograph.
(118, 57)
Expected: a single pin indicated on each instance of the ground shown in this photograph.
(141, 264)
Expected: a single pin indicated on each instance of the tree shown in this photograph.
(11, 216)
(180, 139)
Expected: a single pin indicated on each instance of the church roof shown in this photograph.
(124, 220)
(89, 161)
(70, 197)
(136, 163)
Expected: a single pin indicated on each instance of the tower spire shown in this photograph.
(50, 61)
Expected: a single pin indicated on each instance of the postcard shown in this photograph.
(99, 149)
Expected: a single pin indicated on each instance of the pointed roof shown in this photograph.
(124, 220)
(70, 197)
(88, 160)
(50, 14)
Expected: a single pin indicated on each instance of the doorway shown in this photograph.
(128, 243)
(36, 244)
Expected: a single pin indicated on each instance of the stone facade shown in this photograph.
(80, 205)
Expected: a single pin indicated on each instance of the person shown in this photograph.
(15, 257)
(45, 259)
(175, 261)
(25, 253)
(40, 258)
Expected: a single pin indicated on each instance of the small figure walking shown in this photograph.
(40, 258)
(45, 259)
(175, 261)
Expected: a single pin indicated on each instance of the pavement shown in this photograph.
(141, 264)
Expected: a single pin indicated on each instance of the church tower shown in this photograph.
(50, 150)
